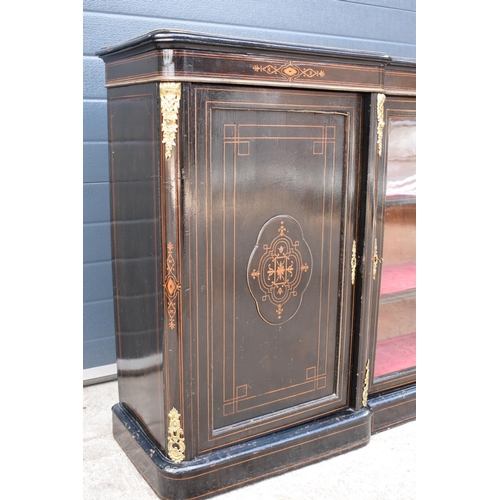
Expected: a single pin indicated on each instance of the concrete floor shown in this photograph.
(385, 469)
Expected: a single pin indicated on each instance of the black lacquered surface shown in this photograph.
(271, 163)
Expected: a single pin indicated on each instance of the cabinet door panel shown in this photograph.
(272, 214)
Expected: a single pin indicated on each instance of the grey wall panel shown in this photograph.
(98, 320)
(410, 5)
(99, 352)
(96, 242)
(95, 127)
(93, 78)
(335, 17)
(95, 161)
(96, 203)
(97, 282)
(396, 39)
(386, 26)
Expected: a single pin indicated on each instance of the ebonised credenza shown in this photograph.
(263, 210)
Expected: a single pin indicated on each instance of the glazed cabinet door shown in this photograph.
(269, 225)
(394, 250)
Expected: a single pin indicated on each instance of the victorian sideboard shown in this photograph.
(263, 210)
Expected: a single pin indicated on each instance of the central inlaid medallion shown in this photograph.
(279, 269)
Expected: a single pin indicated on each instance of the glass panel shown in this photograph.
(401, 158)
(396, 346)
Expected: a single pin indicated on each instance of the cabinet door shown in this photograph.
(270, 224)
(395, 250)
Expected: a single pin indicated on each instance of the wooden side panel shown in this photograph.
(137, 252)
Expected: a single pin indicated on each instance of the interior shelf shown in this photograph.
(398, 279)
(400, 199)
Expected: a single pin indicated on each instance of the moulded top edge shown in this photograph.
(167, 38)
(403, 62)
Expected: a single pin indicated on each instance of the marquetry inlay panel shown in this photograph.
(172, 286)
(289, 71)
(279, 269)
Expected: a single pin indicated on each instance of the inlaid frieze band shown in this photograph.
(192, 66)
(172, 286)
(279, 269)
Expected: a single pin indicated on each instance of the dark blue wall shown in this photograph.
(387, 26)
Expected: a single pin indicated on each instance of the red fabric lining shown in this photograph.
(398, 278)
(394, 354)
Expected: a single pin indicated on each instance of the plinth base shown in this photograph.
(393, 407)
(238, 465)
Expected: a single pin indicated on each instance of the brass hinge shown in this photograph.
(364, 400)
(176, 446)
(380, 121)
(353, 262)
(376, 259)
(170, 96)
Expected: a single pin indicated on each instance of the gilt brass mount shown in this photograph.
(376, 259)
(364, 400)
(170, 96)
(380, 122)
(176, 446)
(353, 262)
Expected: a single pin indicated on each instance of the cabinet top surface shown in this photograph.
(168, 38)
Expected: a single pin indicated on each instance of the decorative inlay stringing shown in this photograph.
(290, 71)
(279, 269)
(171, 286)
